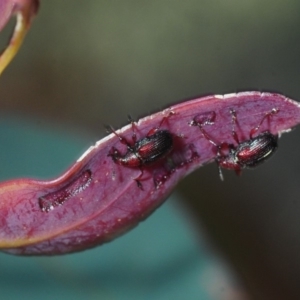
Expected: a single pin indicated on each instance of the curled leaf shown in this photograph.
(108, 190)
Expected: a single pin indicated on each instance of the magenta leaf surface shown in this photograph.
(98, 199)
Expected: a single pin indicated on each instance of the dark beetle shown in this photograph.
(246, 154)
(156, 145)
(145, 151)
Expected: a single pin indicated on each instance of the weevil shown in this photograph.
(155, 146)
(247, 154)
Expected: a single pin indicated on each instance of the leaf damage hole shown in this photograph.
(53, 199)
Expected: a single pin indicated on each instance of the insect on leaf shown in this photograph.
(97, 199)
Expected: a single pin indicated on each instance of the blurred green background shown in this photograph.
(85, 64)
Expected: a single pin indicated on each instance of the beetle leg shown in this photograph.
(138, 179)
(267, 115)
(220, 172)
(164, 119)
(207, 136)
(234, 125)
(238, 171)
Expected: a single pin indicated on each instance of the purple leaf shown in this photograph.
(98, 198)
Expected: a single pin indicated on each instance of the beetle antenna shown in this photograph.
(108, 128)
(121, 139)
(130, 119)
(164, 119)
